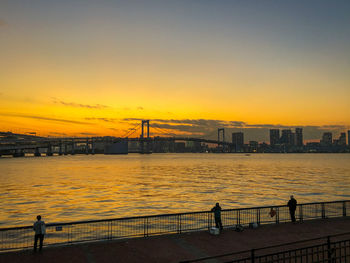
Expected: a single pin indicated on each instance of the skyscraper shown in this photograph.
(349, 137)
(327, 138)
(299, 137)
(287, 137)
(342, 139)
(274, 136)
(292, 139)
(238, 141)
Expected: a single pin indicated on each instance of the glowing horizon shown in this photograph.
(76, 68)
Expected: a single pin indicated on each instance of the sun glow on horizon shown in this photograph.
(76, 69)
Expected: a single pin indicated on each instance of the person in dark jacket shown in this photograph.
(292, 204)
(217, 214)
(40, 231)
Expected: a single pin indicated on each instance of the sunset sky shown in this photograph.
(91, 68)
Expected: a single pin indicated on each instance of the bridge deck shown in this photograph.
(174, 248)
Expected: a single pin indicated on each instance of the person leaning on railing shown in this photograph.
(217, 215)
(292, 204)
(40, 231)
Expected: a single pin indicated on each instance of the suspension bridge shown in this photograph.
(18, 145)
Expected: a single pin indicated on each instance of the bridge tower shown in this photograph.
(223, 137)
(143, 122)
(144, 149)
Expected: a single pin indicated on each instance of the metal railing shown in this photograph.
(328, 249)
(17, 238)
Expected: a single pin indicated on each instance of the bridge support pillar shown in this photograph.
(92, 147)
(73, 148)
(65, 149)
(37, 152)
(60, 152)
(87, 148)
(49, 150)
(18, 153)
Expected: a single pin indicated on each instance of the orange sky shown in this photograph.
(75, 70)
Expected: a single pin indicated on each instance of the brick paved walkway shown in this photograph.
(174, 248)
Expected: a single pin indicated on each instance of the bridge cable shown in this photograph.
(161, 131)
(135, 130)
(132, 131)
(164, 130)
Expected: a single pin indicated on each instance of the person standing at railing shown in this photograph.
(40, 230)
(292, 204)
(217, 215)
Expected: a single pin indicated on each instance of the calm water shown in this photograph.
(81, 187)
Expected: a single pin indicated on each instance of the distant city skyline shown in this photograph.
(276, 135)
(88, 68)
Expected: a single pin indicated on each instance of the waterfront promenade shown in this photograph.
(179, 247)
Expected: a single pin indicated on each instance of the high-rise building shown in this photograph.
(253, 146)
(287, 137)
(238, 141)
(342, 139)
(326, 138)
(292, 139)
(274, 137)
(349, 137)
(299, 137)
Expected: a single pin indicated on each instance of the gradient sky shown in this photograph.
(97, 67)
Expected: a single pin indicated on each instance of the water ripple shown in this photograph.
(84, 187)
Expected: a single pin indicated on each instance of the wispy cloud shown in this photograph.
(113, 120)
(87, 133)
(58, 133)
(116, 130)
(79, 105)
(43, 118)
(194, 122)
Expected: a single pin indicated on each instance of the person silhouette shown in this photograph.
(40, 230)
(217, 215)
(292, 204)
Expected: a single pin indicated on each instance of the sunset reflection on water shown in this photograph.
(80, 187)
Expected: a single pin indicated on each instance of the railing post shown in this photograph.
(209, 221)
(323, 211)
(179, 224)
(301, 217)
(258, 216)
(329, 253)
(277, 215)
(112, 229)
(69, 233)
(146, 226)
(252, 256)
(344, 208)
(238, 217)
